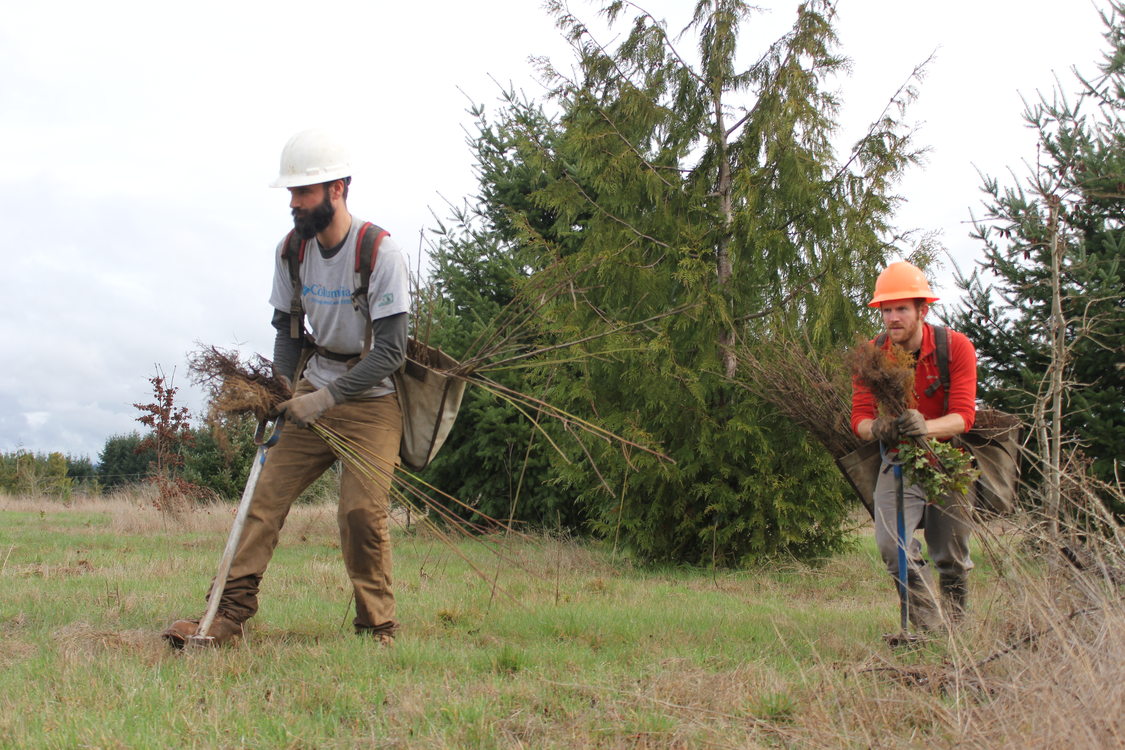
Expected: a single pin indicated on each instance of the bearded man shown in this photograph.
(342, 368)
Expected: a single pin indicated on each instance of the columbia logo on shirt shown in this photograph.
(322, 295)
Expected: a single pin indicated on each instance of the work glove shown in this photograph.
(912, 424)
(886, 431)
(303, 411)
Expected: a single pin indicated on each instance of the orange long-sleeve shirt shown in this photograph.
(962, 382)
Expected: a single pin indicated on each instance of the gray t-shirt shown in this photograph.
(327, 286)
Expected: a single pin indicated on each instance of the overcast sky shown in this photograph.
(137, 140)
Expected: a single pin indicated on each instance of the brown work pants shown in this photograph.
(373, 427)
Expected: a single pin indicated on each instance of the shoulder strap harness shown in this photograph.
(368, 254)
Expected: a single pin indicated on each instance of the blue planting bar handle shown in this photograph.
(260, 433)
(900, 518)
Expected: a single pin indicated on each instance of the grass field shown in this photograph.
(570, 648)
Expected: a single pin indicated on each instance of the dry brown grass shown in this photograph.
(1037, 664)
(80, 642)
(132, 512)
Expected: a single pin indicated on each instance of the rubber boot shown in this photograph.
(924, 615)
(955, 595)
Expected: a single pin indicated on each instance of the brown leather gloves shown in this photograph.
(911, 424)
(890, 431)
(885, 430)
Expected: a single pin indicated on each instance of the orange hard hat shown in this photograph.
(901, 280)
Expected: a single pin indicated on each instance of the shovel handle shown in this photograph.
(902, 579)
(220, 582)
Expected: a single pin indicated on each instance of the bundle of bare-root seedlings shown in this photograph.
(237, 388)
(812, 392)
(887, 373)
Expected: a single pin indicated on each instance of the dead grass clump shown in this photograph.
(14, 650)
(236, 388)
(80, 642)
(1065, 691)
(45, 570)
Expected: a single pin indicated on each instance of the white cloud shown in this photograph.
(36, 419)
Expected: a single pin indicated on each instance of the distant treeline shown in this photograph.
(44, 474)
(217, 460)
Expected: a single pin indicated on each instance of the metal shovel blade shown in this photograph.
(902, 638)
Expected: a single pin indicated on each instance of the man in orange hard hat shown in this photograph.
(903, 297)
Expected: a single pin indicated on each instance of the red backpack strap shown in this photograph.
(293, 250)
(367, 254)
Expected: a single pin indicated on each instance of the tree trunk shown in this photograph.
(1055, 383)
(724, 268)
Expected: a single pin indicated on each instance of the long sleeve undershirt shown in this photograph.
(388, 350)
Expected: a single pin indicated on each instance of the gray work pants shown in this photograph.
(947, 527)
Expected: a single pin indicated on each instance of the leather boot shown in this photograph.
(224, 630)
(954, 595)
(924, 615)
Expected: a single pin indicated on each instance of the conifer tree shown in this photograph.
(1054, 263)
(677, 183)
(123, 460)
(494, 459)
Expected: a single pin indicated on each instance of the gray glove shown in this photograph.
(303, 411)
(886, 431)
(912, 424)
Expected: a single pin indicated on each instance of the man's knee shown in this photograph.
(952, 563)
(888, 549)
(368, 537)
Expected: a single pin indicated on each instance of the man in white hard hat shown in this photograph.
(353, 344)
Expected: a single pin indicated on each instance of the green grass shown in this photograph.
(593, 652)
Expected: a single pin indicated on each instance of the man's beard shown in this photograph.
(309, 224)
(906, 332)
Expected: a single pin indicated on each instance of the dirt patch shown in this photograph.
(13, 651)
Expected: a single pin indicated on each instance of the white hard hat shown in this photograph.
(311, 157)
